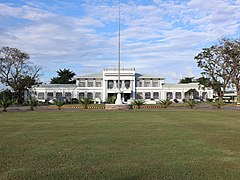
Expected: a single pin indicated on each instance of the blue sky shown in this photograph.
(159, 37)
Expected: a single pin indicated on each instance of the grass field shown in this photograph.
(161, 144)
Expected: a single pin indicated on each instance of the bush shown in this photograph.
(75, 101)
(165, 103)
(33, 103)
(209, 100)
(85, 102)
(59, 104)
(191, 103)
(111, 100)
(218, 103)
(5, 103)
(138, 103)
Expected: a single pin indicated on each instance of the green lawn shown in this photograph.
(93, 144)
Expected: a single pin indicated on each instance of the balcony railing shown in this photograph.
(121, 69)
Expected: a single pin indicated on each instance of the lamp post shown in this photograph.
(119, 99)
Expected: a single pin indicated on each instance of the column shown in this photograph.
(114, 84)
(86, 81)
(94, 82)
(143, 83)
(143, 93)
(123, 84)
(151, 83)
(151, 93)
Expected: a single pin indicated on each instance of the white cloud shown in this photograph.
(155, 36)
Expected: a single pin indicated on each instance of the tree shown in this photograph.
(59, 104)
(64, 77)
(16, 71)
(231, 52)
(5, 103)
(138, 102)
(85, 102)
(186, 80)
(191, 103)
(213, 63)
(165, 103)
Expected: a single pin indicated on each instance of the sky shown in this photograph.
(158, 37)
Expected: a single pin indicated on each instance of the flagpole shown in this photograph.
(119, 99)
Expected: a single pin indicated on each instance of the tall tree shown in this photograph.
(16, 71)
(212, 62)
(64, 77)
(231, 53)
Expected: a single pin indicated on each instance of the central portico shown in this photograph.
(127, 83)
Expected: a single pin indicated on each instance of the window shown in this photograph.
(41, 95)
(127, 84)
(90, 84)
(110, 84)
(59, 95)
(155, 84)
(140, 95)
(169, 95)
(147, 84)
(49, 95)
(98, 84)
(155, 95)
(68, 95)
(138, 83)
(147, 95)
(204, 95)
(98, 95)
(81, 95)
(82, 84)
(178, 95)
(90, 95)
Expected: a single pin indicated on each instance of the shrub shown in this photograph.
(33, 103)
(85, 102)
(5, 103)
(191, 103)
(138, 102)
(111, 100)
(59, 104)
(218, 103)
(165, 103)
(209, 100)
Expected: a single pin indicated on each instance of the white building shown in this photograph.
(133, 86)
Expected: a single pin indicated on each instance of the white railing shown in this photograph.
(116, 69)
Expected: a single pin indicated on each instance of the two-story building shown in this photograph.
(133, 85)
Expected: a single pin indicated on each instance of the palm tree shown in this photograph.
(138, 102)
(33, 103)
(165, 103)
(218, 103)
(111, 99)
(59, 104)
(191, 103)
(5, 103)
(85, 102)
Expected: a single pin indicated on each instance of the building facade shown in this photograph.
(133, 85)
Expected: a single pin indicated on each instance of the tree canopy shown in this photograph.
(64, 77)
(221, 65)
(16, 71)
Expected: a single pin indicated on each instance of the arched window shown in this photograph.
(147, 95)
(81, 95)
(90, 95)
(169, 95)
(155, 95)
